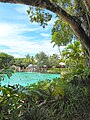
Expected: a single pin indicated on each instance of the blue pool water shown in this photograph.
(26, 78)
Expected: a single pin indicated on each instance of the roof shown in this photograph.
(61, 63)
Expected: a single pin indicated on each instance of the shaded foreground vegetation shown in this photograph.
(66, 98)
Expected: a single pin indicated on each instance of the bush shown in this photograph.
(64, 98)
(56, 100)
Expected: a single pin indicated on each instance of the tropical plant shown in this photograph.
(48, 100)
(73, 55)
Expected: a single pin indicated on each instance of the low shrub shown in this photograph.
(60, 99)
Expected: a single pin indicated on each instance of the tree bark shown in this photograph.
(73, 22)
(87, 4)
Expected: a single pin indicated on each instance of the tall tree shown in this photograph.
(5, 60)
(42, 59)
(54, 60)
(27, 56)
(75, 12)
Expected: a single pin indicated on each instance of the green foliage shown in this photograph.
(73, 55)
(42, 59)
(48, 100)
(60, 99)
(5, 60)
(5, 71)
(54, 70)
(39, 15)
(54, 60)
(24, 62)
(61, 33)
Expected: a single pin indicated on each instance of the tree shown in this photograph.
(5, 60)
(33, 60)
(27, 60)
(18, 61)
(27, 56)
(76, 13)
(54, 61)
(42, 59)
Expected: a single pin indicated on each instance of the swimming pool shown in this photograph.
(26, 78)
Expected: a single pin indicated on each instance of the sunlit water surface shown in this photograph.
(26, 78)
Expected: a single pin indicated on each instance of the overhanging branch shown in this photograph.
(47, 4)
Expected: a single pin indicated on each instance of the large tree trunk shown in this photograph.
(87, 57)
(73, 21)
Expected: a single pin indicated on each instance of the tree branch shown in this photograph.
(87, 4)
(73, 22)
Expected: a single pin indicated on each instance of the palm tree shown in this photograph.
(74, 54)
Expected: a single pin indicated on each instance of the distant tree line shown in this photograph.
(40, 59)
(72, 56)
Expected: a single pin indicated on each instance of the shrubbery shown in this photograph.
(60, 99)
